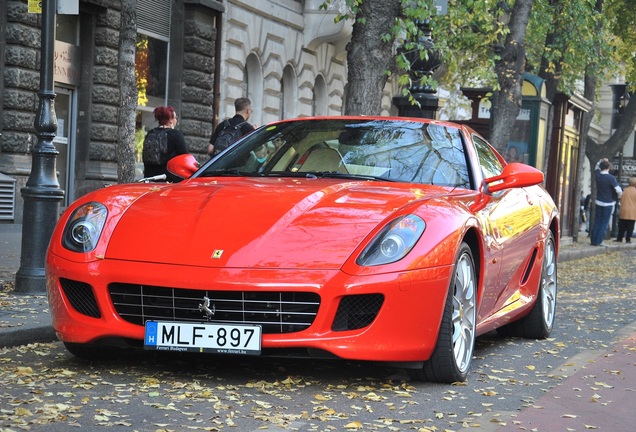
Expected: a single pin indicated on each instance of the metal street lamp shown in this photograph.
(424, 59)
(42, 194)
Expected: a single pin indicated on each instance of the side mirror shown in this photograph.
(515, 175)
(183, 165)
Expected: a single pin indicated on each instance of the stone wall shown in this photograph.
(197, 81)
(19, 98)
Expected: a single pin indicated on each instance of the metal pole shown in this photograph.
(617, 204)
(42, 194)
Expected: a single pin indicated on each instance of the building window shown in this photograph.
(67, 28)
(152, 61)
(254, 87)
(151, 65)
(320, 97)
(289, 93)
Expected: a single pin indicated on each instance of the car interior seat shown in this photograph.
(324, 159)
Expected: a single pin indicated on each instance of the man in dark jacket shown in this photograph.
(243, 108)
(606, 185)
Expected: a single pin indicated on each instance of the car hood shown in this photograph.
(257, 223)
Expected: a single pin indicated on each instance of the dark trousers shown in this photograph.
(625, 228)
(602, 216)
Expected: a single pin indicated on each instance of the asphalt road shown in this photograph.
(42, 387)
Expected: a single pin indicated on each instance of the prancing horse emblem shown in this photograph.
(205, 307)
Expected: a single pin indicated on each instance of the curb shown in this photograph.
(566, 254)
(43, 334)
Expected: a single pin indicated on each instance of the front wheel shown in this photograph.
(453, 352)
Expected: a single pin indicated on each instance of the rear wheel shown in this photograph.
(539, 322)
(453, 352)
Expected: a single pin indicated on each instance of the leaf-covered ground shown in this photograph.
(42, 387)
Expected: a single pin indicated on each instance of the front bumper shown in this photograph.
(404, 329)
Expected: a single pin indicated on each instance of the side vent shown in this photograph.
(357, 311)
(81, 297)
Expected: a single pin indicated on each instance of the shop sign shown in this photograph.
(67, 63)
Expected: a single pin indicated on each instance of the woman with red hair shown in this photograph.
(156, 160)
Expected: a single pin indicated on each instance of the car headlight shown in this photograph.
(393, 242)
(84, 227)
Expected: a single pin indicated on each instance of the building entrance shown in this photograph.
(65, 109)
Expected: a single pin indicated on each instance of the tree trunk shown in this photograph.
(589, 93)
(128, 93)
(553, 78)
(368, 56)
(509, 69)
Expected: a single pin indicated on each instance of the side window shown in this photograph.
(490, 165)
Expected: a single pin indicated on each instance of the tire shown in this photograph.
(453, 351)
(539, 322)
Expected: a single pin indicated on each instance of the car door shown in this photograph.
(511, 219)
(516, 221)
(488, 216)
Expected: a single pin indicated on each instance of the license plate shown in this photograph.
(203, 337)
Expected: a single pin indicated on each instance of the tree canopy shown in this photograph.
(490, 43)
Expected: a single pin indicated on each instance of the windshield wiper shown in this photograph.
(289, 174)
(334, 174)
(224, 172)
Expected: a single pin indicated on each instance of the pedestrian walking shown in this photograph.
(607, 192)
(230, 130)
(162, 144)
(627, 213)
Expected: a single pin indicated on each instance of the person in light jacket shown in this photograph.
(627, 214)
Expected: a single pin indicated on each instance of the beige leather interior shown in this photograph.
(324, 159)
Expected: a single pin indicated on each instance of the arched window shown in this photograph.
(320, 102)
(289, 97)
(254, 87)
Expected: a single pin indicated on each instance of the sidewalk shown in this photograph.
(24, 318)
(599, 396)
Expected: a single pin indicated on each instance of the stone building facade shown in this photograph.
(87, 85)
(288, 57)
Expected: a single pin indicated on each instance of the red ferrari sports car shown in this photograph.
(382, 239)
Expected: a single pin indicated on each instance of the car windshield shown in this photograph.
(385, 150)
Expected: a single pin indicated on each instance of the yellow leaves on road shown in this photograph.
(202, 395)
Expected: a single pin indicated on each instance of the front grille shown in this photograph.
(81, 297)
(357, 311)
(276, 312)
